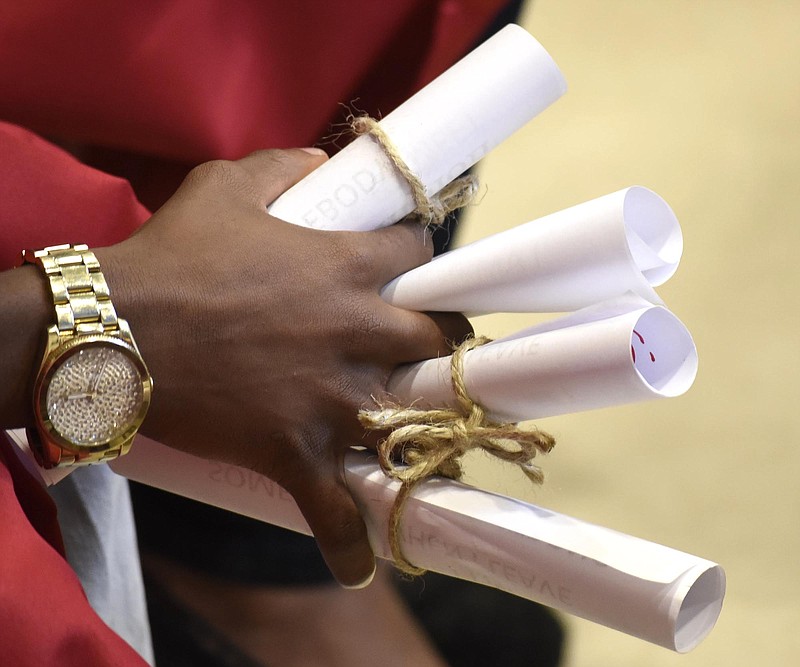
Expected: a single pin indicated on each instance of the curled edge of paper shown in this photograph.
(671, 369)
(654, 235)
(700, 606)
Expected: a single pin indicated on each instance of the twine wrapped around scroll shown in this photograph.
(432, 442)
(430, 210)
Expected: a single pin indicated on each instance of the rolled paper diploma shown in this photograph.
(440, 132)
(599, 357)
(646, 590)
(627, 241)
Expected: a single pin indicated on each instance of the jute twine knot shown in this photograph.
(430, 210)
(432, 442)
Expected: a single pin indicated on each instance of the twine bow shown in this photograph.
(432, 442)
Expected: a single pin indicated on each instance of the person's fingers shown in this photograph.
(444, 332)
(260, 178)
(337, 525)
(275, 171)
(393, 250)
(409, 336)
(455, 327)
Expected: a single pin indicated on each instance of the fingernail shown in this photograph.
(363, 584)
(314, 151)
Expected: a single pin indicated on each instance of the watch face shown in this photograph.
(94, 396)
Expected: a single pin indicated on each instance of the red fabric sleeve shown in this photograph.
(45, 618)
(47, 197)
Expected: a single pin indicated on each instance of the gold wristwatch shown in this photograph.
(93, 389)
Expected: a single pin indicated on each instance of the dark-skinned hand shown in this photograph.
(265, 338)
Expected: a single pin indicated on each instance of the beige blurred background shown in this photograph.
(700, 101)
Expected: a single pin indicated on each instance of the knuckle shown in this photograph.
(275, 156)
(352, 391)
(367, 323)
(364, 330)
(419, 244)
(216, 173)
(279, 164)
(355, 261)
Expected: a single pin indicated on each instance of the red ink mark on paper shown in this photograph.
(641, 340)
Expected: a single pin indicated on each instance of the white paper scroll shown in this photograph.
(618, 352)
(627, 241)
(440, 132)
(644, 589)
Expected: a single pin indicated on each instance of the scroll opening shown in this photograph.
(654, 234)
(700, 609)
(663, 352)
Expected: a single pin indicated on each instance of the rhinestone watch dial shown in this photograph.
(94, 396)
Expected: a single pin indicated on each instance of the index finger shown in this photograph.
(396, 249)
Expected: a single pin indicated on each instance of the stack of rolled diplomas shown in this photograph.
(598, 261)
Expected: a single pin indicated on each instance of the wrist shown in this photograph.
(139, 298)
(122, 275)
(92, 389)
(27, 310)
